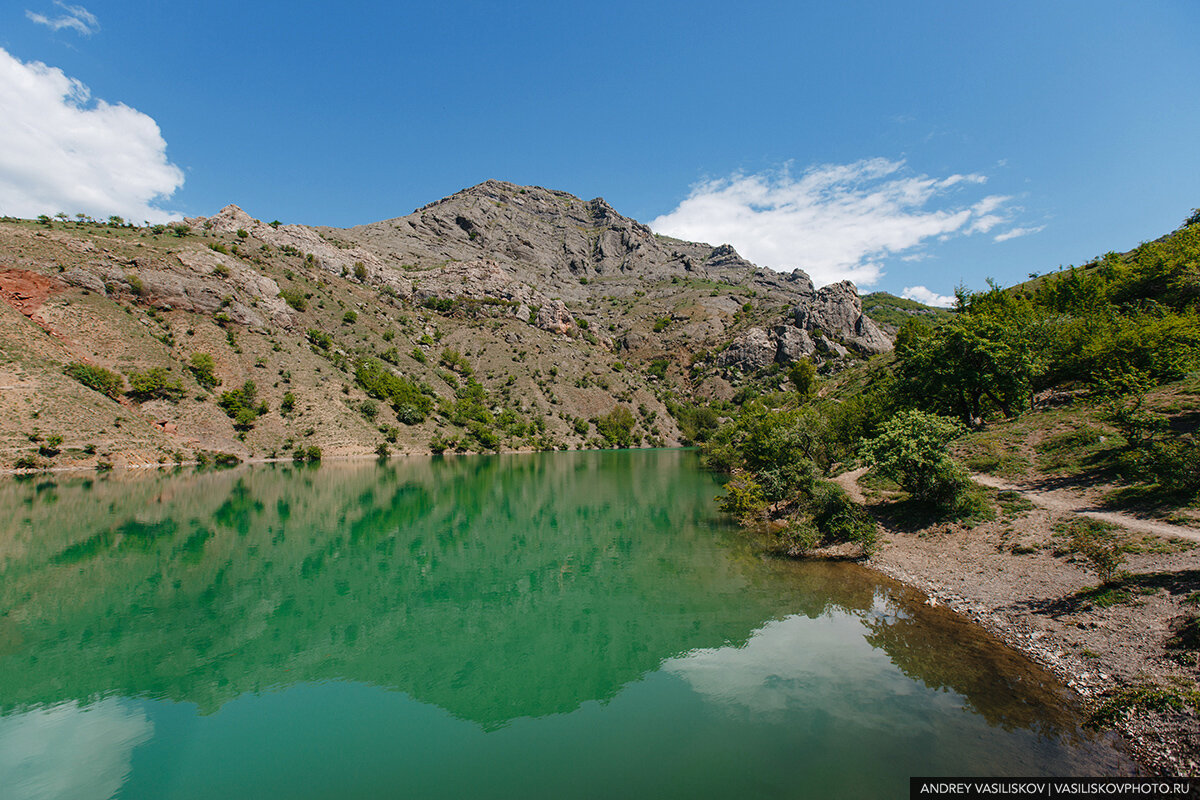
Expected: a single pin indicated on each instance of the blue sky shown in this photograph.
(903, 145)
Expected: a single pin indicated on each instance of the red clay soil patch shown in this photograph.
(26, 291)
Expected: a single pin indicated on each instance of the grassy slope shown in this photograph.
(541, 376)
(891, 311)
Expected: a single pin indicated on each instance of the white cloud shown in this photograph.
(775, 674)
(71, 750)
(928, 297)
(77, 18)
(1015, 232)
(836, 222)
(64, 153)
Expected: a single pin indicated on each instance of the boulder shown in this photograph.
(753, 350)
(792, 344)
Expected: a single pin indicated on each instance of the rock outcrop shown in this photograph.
(339, 259)
(837, 311)
(829, 325)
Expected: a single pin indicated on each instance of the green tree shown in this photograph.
(987, 358)
(803, 375)
(242, 406)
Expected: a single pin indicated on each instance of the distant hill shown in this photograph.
(890, 311)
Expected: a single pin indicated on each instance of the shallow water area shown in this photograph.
(544, 625)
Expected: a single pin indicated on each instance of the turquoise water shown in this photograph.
(549, 625)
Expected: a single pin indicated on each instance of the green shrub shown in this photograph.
(156, 382)
(454, 360)
(440, 444)
(1100, 545)
(51, 447)
(98, 379)
(294, 298)
(838, 518)
(1153, 452)
(696, 422)
(798, 537)
(288, 403)
(824, 516)
(411, 404)
(1174, 464)
(912, 449)
(744, 500)
(319, 339)
(202, 366)
(803, 375)
(484, 434)
(661, 324)
(310, 453)
(350, 317)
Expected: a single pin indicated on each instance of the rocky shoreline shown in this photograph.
(1026, 599)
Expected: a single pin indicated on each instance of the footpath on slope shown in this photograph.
(1004, 575)
(1065, 502)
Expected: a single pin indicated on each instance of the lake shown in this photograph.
(543, 625)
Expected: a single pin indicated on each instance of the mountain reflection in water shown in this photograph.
(494, 588)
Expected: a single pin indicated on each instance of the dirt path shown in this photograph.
(849, 482)
(1068, 503)
(1052, 500)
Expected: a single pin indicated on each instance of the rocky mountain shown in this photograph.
(501, 317)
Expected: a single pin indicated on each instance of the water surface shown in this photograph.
(551, 625)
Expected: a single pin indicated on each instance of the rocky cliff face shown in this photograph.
(549, 244)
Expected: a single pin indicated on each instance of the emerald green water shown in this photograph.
(552, 625)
